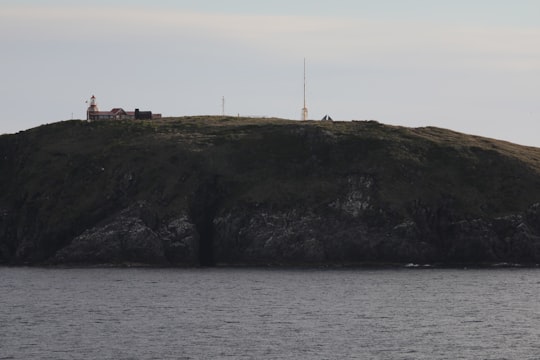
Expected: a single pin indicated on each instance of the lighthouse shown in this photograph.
(92, 108)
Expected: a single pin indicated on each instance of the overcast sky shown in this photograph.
(468, 65)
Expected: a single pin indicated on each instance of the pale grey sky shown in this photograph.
(471, 66)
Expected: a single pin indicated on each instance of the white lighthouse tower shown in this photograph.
(92, 108)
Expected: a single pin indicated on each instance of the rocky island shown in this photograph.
(211, 191)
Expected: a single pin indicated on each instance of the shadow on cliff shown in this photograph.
(203, 207)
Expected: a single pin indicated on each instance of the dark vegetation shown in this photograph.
(258, 191)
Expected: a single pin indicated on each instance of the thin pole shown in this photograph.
(304, 109)
(223, 106)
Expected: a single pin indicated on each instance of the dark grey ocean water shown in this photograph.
(269, 314)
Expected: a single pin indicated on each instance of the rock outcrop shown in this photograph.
(130, 238)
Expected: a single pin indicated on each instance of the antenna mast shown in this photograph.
(223, 106)
(304, 109)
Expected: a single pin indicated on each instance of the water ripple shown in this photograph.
(268, 314)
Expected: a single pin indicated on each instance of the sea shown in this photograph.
(269, 313)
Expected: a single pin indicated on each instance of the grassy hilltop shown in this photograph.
(207, 190)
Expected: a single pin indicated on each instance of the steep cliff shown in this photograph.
(218, 190)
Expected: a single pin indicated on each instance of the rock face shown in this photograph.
(129, 237)
(221, 191)
(262, 236)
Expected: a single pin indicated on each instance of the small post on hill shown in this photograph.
(223, 106)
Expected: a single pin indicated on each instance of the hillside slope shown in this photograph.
(217, 190)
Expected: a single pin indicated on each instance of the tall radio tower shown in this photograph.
(304, 109)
